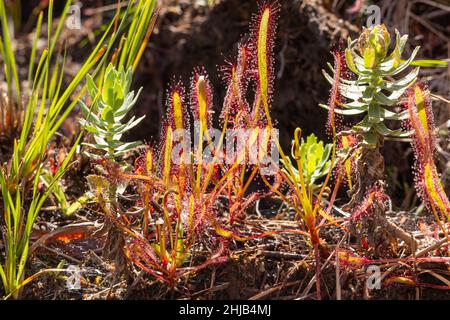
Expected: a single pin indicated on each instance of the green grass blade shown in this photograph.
(8, 56)
(34, 46)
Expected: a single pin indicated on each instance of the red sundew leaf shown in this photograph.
(259, 117)
(177, 116)
(172, 165)
(364, 243)
(143, 165)
(219, 257)
(346, 168)
(177, 120)
(433, 192)
(165, 153)
(56, 159)
(400, 280)
(139, 165)
(421, 121)
(334, 122)
(350, 260)
(144, 256)
(237, 78)
(375, 196)
(52, 166)
(263, 27)
(189, 208)
(201, 97)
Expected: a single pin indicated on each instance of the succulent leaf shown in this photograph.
(108, 109)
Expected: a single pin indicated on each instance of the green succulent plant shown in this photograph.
(376, 88)
(110, 106)
(315, 160)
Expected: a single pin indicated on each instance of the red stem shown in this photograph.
(317, 257)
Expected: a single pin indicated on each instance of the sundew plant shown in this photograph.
(216, 205)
